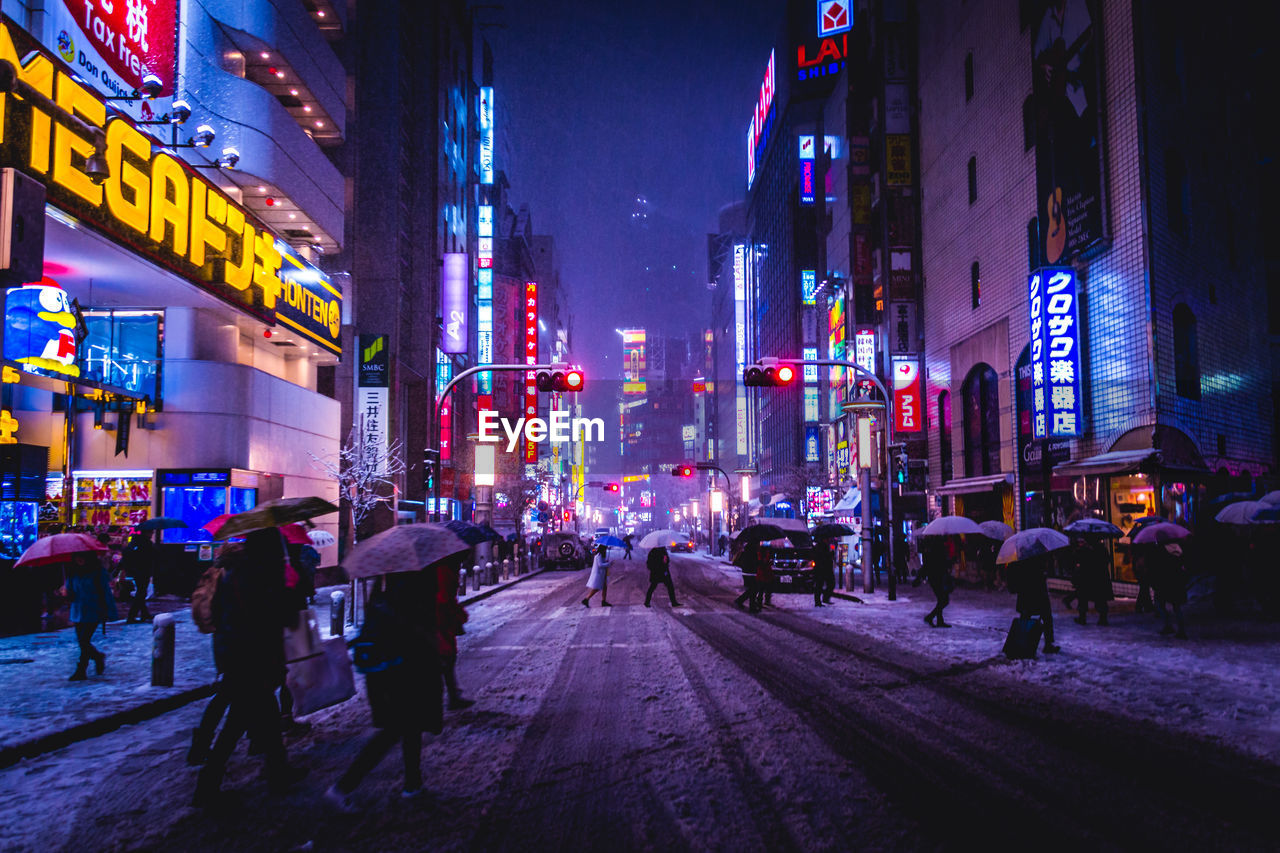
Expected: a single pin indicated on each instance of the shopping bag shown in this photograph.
(1023, 639)
(302, 639)
(321, 680)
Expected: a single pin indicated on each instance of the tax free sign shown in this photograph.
(1057, 408)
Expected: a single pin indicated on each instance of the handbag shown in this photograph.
(321, 680)
(302, 638)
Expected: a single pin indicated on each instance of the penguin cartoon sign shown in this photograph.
(40, 329)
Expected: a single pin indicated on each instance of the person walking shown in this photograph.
(1028, 579)
(1169, 580)
(450, 616)
(626, 543)
(722, 544)
(747, 560)
(88, 586)
(659, 564)
(824, 573)
(402, 678)
(1091, 579)
(138, 564)
(250, 615)
(599, 579)
(937, 572)
(764, 581)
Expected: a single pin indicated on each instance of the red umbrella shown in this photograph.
(58, 548)
(295, 534)
(213, 525)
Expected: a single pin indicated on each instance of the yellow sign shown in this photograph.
(150, 199)
(8, 426)
(635, 478)
(897, 156)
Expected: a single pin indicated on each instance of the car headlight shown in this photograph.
(810, 564)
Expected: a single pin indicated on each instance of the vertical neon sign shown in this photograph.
(530, 357)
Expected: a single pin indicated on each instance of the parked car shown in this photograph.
(793, 560)
(562, 551)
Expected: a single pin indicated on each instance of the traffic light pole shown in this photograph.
(888, 432)
(728, 493)
(470, 371)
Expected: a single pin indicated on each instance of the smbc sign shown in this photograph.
(153, 202)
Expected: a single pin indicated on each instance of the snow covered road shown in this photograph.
(851, 727)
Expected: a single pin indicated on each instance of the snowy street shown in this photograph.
(706, 727)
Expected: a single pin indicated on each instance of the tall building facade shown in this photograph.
(1094, 311)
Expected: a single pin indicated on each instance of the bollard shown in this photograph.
(162, 651)
(475, 578)
(462, 579)
(489, 576)
(337, 613)
(506, 570)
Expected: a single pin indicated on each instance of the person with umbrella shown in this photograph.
(450, 617)
(1169, 580)
(659, 565)
(599, 579)
(398, 649)
(937, 572)
(88, 586)
(138, 564)
(1028, 554)
(1091, 579)
(747, 560)
(626, 544)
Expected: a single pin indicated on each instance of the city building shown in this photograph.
(170, 332)
(1095, 332)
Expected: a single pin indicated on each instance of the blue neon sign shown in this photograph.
(1056, 383)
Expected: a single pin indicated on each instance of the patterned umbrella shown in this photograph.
(276, 513)
(951, 525)
(1161, 534)
(1032, 542)
(1238, 513)
(406, 548)
(997, 530)
(1093, 527)
(58, 548)
(321, 538)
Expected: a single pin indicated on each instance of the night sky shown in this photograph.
(604, 103)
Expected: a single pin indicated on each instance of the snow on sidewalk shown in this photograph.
(1222, 683)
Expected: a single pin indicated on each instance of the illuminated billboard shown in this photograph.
(1055, 353)
(40, 329)
(530, 357)
(633, 363)
(486, 134)
(453, 302)
(740, 344)
(761, 121)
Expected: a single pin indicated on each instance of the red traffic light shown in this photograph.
(611, 487)
(785, 374)
(682, 471)
(567, 515)
(768, 374)
(573, 380)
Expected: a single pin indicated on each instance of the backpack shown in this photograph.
(375, 648)
(202, 599)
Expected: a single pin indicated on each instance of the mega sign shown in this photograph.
(153, 202)
(824, 55)
(1055, 353)
(761, 121)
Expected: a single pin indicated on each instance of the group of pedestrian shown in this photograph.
(757, 576)
(658, 562)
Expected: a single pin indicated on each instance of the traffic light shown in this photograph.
(900, 468)
(611, 487)
(428, 468)
(560, 379)
(566, 516)
(767, 373)
(682, 471)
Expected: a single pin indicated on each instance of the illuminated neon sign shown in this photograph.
(40, 324)
(486, 134)
(453, 299)
(530, 357)
(1055, 353)
(808, 287)
(761, 121)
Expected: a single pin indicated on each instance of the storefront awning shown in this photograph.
(968, 485)
(1112, 462)
(849, 503)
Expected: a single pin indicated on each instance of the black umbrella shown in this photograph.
(761, 533)
(472, 534)
(831, 531)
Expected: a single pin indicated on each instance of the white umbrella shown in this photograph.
(321, 538)
(951, 525)
(1163, 533)
(997, 530)
(665, 538)
(1032, 542)
(1271, 498)
(1238, 512)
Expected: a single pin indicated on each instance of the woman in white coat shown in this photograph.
(599, 580)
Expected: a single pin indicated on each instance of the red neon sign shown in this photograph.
(530, 357)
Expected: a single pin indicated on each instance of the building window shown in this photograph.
(1033, 243)
(981, 422)
(1177, 192)
(968, 77)
(1186, 357)
(944, 434)
(1028, 124)
(973, 179)
(975, 285)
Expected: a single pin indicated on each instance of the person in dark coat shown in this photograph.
(824, 572)
(1029, 579)
(659, 564)
(763, 592)
(250, 613)
(936, 571)
(1170, 583)
(88, 586)
(747, 560)
(405, 693)
(1091, 579)
(626, 544)
(450, 617)
(138, 564)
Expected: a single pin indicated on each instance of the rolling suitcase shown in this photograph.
(1023, 639)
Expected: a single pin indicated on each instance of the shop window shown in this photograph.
(1177, 192)
(1186, 356)
(944, 434)
(973, 179)
(968, 77)
(975, 285)
(123, 350)
(981, 422)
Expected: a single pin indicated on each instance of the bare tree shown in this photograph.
(366, 474)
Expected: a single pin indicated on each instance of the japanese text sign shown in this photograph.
(1055, 353)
